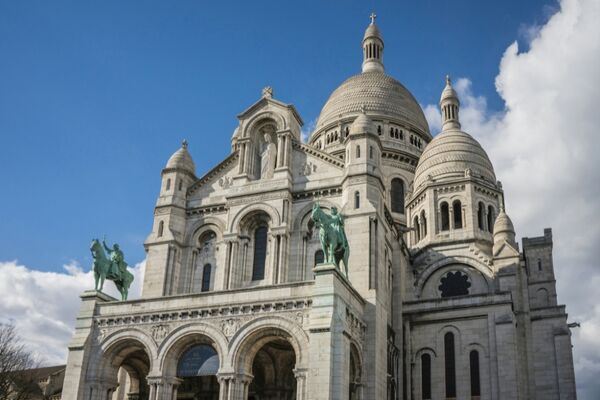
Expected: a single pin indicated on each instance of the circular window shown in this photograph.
(454, 283)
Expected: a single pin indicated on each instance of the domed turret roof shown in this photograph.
(362, 124)
(452, 154)
(504, 229)
(182, 159)
(503, 224)
(382, 95)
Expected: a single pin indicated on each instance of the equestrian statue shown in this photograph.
(332, 236)
(113, 267)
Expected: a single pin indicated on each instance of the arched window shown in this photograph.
(454, 284)
(539, 264)
(260, 253)
(417, 229)
(457, 211)
(449, 365)
(445, 214)
(180, 184)
(379, 130)
(542, 297)
(425, 376)
(480, 215)
(319, 257)
(357, 151)
(424, 223)
(491, 218)
(200, 360)
(206, 278)
(370, 151)
(161, 228)
(474, 369)
(356, 200)
(168, 187)
(397, 195)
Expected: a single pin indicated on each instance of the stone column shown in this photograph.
(280, 150)
(282, 258)
(300, 374)
(234, 268)
(242, 156)
(156, 387)
(274, 258)
(227, 264)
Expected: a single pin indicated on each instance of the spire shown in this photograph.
(372, 46)
(449, 106)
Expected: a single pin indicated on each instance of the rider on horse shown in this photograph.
(337, 221)
(118, 266)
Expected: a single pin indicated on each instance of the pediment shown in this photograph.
(216, 180)
(505, 250)
(310, 164)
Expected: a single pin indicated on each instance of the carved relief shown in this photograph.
(230, 327)
(225, 182)
(159, 332)
(307, 169)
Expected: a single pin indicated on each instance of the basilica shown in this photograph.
(438, 300)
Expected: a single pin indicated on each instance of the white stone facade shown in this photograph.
(439, 302)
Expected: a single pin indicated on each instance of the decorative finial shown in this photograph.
(267, 92)
(373, 16)
(448, 81)
(184, 144)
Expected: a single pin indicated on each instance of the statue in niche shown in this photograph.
(268, 158)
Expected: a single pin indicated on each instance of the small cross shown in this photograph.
(184, 143)
(373, 16)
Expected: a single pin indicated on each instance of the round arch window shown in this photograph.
(200, 360)
(454, 283)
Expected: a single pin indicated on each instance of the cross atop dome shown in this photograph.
(373, 16)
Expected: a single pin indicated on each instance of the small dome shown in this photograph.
(362, 124)
(182, 159)
(504, 228)
(383, 96)
(453, 154)
(448, 92)
(372, 31)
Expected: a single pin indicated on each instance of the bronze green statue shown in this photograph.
(332, 236)
(113, 267)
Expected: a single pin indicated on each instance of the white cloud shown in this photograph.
(543, 147)
(43, 305)
(307, 130)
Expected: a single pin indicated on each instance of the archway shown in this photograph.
(124, 368)
(273, 372)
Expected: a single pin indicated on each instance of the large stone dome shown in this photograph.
(452, 154)
(382, 97)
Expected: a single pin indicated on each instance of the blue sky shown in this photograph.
(94, 97)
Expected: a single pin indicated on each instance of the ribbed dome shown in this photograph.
(449, 155)
(380, 94)
(182, 159)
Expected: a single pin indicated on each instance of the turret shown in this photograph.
(449, 106)
(165, 243)
(372, 45)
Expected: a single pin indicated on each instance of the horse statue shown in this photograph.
(332, 236)
(113, 268)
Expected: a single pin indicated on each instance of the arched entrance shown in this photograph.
(273, 372)
(197, 369)
(124, 368)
